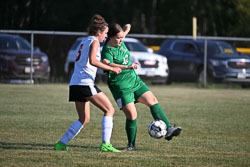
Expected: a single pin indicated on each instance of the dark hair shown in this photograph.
(97, 23)
(114, 29)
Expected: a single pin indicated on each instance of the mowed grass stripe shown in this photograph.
(215, 124)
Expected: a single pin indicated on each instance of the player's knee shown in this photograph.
(84, 121)
(133, 116)
(153, 101)
(130, 115)
(110, 111)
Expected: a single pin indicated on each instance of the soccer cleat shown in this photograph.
(107, 147)
(130, 147)
(172, 131)
(61, 146)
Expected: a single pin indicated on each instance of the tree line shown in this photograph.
(170, 17)
(230, 18)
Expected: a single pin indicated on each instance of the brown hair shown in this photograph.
(97, 23)
(114, 29)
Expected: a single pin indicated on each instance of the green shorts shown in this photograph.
(131, 97)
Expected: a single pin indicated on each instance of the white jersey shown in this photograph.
(84, 72)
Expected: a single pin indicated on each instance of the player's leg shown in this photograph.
(126, 104)
(131, 127)
(149, 99)
(83, 110)
(101, 101)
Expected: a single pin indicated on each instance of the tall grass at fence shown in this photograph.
(215, 126)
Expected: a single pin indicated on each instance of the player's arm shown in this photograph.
(93, 61)
(126, 29)
(131, 66)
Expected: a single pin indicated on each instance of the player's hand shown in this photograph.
(116, 70)
(106, 61)
(134, 65)
(127, 27)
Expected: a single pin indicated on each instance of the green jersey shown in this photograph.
(125, 82)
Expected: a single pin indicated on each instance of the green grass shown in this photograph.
(215, 122)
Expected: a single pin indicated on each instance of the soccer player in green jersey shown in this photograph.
(127, 87)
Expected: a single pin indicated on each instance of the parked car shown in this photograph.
(152, 67)
(224, 63)
(15, 59)
(71, 56)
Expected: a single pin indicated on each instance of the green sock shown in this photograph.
(158, 113)
(131, 131)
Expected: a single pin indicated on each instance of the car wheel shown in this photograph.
(41, 80)
(159, 82)
(245, 85)
(168, 81)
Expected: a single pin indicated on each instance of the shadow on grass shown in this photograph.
(31, 146)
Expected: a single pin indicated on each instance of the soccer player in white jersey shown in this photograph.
(82, 89)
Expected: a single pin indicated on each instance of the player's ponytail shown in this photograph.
(98, 19)
(97, 23)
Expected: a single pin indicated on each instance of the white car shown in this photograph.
(70, 60)
(153, 67)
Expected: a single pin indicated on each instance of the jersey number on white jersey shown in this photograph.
(79, 52)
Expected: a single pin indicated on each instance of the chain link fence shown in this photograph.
(56, 45)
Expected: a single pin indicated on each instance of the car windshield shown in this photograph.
(14, 43)
(136, 47)
(218, 48)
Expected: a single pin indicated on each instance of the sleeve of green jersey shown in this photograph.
(106, 55)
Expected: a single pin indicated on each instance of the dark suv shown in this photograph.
(224, 63)
(15, 60)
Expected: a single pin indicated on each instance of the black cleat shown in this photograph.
(172, 131)
(130, 147)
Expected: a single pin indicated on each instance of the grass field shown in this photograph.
(215, 122)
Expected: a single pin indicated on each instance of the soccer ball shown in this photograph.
(157, 129)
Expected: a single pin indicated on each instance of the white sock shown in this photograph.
(107, 126)
(73, 130)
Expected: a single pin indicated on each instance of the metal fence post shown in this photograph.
(31, 58)
(205, 65)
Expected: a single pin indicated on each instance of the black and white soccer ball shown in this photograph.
(157, 129)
